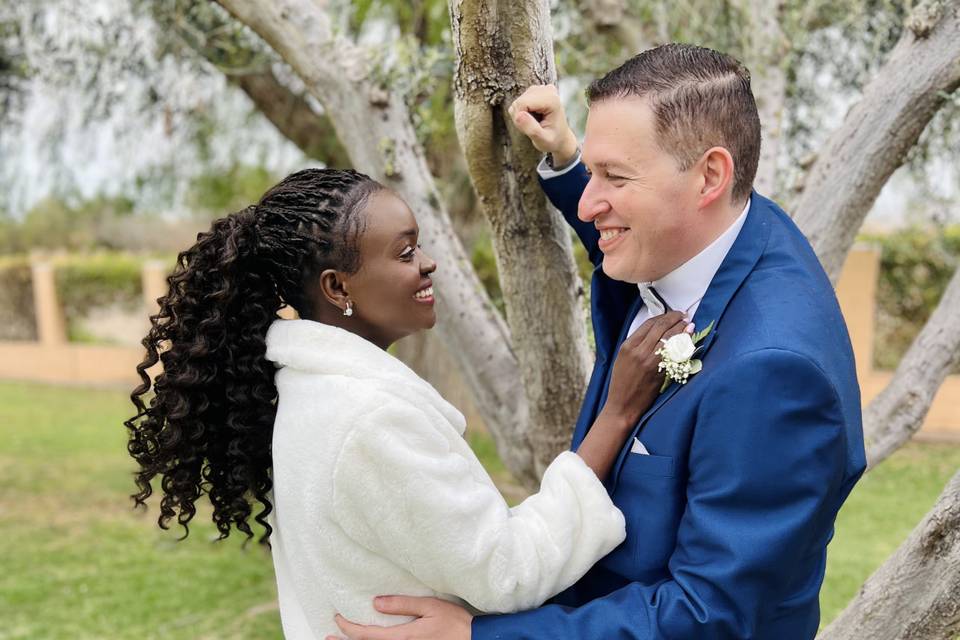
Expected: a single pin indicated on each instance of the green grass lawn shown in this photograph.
(79, 563)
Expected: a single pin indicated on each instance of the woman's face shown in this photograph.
(392, 293)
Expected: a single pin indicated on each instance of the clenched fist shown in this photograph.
(538, 114)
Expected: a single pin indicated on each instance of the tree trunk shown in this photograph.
(915, 594)
(502, 48)
(877, 133)
(898, 412)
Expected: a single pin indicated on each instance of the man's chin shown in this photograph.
(616, 271)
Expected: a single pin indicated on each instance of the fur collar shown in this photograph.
(320, 348)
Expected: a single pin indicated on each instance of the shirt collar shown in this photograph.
(683, 287)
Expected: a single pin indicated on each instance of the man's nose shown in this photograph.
(591, 204)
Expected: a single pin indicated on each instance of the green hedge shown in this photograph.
(85, 282)
(916, 265)
(17, 318)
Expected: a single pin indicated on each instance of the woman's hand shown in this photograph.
(636, 381)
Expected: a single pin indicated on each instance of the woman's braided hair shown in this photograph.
(209, 425)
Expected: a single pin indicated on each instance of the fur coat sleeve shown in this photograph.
(407, 486)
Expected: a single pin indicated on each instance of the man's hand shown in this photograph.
(538, 114)
(436, 620)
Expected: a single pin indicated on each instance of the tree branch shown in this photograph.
(915, 594)
(898, 412)
(878, 132)
(293, 116)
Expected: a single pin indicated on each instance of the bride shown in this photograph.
(356, 467)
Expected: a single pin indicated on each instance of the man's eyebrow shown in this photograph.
(607, 164)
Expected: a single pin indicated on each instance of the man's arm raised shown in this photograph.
(538, 114)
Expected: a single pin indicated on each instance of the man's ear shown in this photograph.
(333, 288)
(717, 175)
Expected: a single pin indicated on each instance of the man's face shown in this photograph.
(644, 207)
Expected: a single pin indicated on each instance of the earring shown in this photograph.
(349, 310)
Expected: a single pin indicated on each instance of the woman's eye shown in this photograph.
(408, 254)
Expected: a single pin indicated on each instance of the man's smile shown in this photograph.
(611, 236)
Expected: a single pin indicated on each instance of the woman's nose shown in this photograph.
(428, 264)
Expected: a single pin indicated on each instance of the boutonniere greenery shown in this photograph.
(677, 357)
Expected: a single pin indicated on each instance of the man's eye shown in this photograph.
(408, 254)
(611, 176)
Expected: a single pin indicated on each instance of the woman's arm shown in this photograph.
(408, 488)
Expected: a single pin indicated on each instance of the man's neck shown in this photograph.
(683, 286)
(722, 218)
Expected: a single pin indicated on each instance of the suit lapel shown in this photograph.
(737, 265)
(613, 305)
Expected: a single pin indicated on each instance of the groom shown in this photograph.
(732, 483)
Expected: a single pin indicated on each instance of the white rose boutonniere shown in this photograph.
(676, 357)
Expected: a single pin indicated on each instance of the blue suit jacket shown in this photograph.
(729, 518)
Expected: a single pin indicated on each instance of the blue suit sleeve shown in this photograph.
(564, 192)
(766, 469)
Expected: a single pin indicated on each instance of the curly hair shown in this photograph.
(209, 424)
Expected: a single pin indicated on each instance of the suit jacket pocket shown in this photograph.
(649, 465)
(651, 495)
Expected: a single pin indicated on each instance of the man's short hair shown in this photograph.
(700, 99)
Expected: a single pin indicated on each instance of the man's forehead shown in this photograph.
(639, 106)
(608, 150)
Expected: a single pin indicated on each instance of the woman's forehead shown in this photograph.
(388, 218)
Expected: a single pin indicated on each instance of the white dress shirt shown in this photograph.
(684, 287)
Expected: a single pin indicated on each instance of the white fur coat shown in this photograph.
(376, 492)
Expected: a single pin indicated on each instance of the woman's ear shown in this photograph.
(333, 288)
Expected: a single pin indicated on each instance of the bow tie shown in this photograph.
(655, 303)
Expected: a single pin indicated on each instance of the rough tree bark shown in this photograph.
(879, 130)
(915, 594)
(502, 47)
(898, 412)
